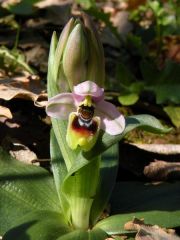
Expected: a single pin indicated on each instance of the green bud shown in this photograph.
(52, 50)
(96, 63)
(57, 67)
(75, 56)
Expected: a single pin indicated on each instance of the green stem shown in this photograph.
(80, 210)
(82, 192)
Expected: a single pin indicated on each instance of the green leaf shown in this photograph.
(156, 204)
(124, 75)
(155, 6)
(174, 114)
(166, 93)
(41, 225)
(143, 121)
(128, 99)
(24, 7)
(97, 234)
(57, 162)
(164, 83)
(114, 224)
(59, 170)
(87, 3)
(14, 59)
(75, 235)
(149, 72)
(136, 87)
(23, 188)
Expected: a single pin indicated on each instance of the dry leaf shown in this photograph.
(161, 170)
(57, 11)
(5, 112)
(166, 149)
(150, 232)
(41, 100)
(19, 150)
(24, 87)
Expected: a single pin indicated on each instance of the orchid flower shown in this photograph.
(87, 112)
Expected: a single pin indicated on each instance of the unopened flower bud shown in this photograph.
(75, 56)
(96, 65)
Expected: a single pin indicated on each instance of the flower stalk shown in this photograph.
(78, 112)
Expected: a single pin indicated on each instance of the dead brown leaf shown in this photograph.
(150, 232)
(19, 150)
(161, 170)
(5, 112)
(23, 87)
(37, 56)
(165, 149)
(57, 11)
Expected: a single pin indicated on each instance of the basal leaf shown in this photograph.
(41, 225)
(75, 235)
(156, 204)
(97, 234)
(164, 196)
(114, 224)
(23, 188)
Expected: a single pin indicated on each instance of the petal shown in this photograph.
(88, 88)
(112, 121)
(83, 136)
(60, 106)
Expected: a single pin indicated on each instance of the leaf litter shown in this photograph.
(27, 87)
(150, 232)
(162, 170)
